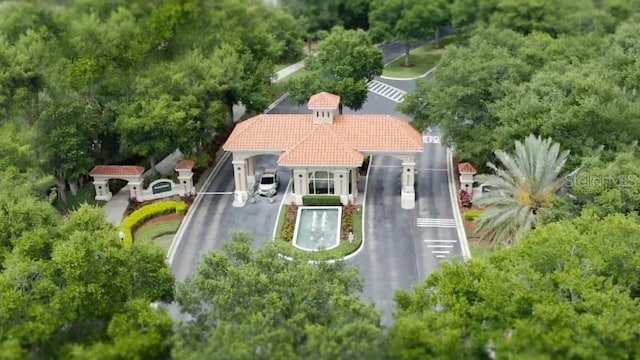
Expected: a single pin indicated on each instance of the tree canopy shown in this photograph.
(345, 63)
(249, 303)
(566, 290)
(504, 86)
(70, 289)
(102, 81)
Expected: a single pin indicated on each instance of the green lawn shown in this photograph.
(86, 194)
(424, 59)
(279, 88)
(161, 232)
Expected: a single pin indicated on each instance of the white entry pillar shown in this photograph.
(354, 184)
(251, 171)
(102, 190)
(341, 183)
(240, 178)
(408, 194)
(300, 185)
(135, 189)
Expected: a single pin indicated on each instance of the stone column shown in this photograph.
(408, 195)
(240, 178)
(341, 183)
(300, 184)
(135, 190)
(354, 184)
(251, 171)
(185, 177)
(102, 190)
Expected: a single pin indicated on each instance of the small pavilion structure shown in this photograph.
(160, 188)
(323, 149)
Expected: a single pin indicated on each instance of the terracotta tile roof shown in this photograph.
(117, 170)
(466, 168)
(334, 150)
(361, 133)
(324, 100)
(184, 165)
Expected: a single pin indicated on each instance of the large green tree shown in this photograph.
(70, 288)
(567, 290)
(324, 15)
(407, 20)
(608, 187)
(345, 63)
(249, 303)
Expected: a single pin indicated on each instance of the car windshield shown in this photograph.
(267, 180)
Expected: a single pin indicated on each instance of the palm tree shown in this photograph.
(528, 181)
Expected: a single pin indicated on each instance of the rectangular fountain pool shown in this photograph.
(317, 227)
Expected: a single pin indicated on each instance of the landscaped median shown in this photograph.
(351, 222)
(147, 212)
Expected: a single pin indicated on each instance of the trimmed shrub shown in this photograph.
(321, 200)
(138, 217)
(472, 214)
(181, 208)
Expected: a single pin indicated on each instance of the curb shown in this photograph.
(192, 209)
(462, 235)
(275, 227)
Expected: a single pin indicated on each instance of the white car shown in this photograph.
(268, 184)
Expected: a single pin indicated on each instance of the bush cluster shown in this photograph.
(472, 214)
(348, 213)
(147, 212)
(288, 227)
(321, 200)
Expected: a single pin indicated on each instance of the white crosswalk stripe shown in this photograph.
(438, 223)
(387, 91)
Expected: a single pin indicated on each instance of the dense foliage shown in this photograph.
(69, 289)
(272, 308)
(568, 290)
(89, 82)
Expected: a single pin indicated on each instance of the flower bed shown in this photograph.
(140, 216)
(351, 223)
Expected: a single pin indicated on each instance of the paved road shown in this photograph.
(402, 247)
(216, 218)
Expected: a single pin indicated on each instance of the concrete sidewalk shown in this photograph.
(116, 207)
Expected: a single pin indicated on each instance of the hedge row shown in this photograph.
(321, 200)
(147, 212)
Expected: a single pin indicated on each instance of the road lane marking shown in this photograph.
(427, 222)
(444, 241)
(216, 193)
(440, 256)
(441, 252)
(439, 246)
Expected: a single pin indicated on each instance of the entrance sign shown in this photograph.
(161, 187)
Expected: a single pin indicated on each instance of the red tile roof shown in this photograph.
(360, 133)
(117, 170)
(324, 100)
(184, 165)
(466, 168)
(335, 151)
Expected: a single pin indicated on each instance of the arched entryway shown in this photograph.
(103, 173)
